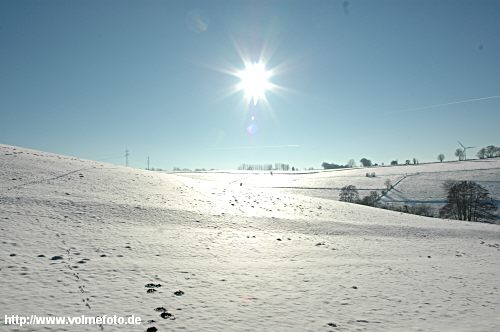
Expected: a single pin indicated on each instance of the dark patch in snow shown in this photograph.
(167, 315)
(150, 285)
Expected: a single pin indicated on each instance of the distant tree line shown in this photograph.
(490, 151)
(255, 167)
(266, 167)
(350, 164)
(326, 165)
(414, 161)
(420, 209)
(368, 163)
(177, 169)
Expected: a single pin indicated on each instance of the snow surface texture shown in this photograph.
(247, 257)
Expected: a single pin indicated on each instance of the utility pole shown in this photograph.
(126, 157)
(148, 163)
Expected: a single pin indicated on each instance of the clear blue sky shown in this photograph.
(92, 78)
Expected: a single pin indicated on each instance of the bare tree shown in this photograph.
(460, 154)
(441, 157)
(351, 163)
(467, 200)
(349, 194)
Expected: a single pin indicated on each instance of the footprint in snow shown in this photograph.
(167, 315)
(151, 285)
(178, 293)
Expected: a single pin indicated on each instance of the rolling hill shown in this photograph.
(235, 251)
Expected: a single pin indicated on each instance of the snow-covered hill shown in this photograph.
(246, 256)
(414, 184)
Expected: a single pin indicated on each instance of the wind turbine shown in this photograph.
(465, 149)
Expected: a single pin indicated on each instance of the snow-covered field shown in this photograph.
(414, 184)
(248, 256)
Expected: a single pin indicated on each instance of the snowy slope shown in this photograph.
(415, 184)
(247, 257)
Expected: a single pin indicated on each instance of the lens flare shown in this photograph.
(251, 129)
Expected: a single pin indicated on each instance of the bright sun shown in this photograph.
(254, 81)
